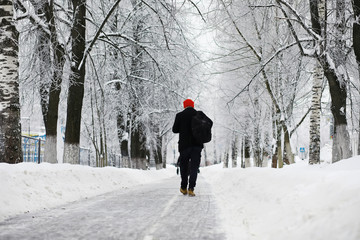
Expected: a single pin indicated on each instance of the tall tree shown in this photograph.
(356, 44)
(10, 129)
(234, 149)
(324, 53)
(50, 58)
(338, 87)
(76, 88)
(314, 146)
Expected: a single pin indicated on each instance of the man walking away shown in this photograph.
(189, 148)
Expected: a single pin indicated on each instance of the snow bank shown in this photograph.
(296, 202)
(28, 187)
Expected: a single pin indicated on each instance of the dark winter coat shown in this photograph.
(182, 125)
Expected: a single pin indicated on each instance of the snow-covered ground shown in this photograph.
(28, 187)
(296, 202)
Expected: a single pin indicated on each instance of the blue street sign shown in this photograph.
(302, 149)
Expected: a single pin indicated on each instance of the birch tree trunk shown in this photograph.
(341, 141)
(10, 129)
(356, 45)
(76, 89)
(314, 146)
(234, 150)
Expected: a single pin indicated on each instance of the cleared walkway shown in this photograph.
(151, 211)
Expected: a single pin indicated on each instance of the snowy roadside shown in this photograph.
(296, 202)
(28, 187)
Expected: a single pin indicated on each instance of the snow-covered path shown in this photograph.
(151, 211)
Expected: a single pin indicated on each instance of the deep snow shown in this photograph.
(296, 202)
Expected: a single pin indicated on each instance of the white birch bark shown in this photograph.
(10, 129)
(314, 146)
(234, 150)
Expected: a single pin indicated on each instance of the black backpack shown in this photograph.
(201, 127)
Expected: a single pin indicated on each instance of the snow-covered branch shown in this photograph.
(27, 13)
(300, 21)
(265, 63)
(88, 49)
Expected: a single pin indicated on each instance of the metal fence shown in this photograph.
(33, 149)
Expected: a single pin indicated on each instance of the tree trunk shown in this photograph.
(164, 150)
(76, 88)
(10, 128)
(242, 152)
(138, 152)
(356, 45)
(342, 146)
(234, 150)
(274, 158)
(50, 73)
(267, 151)
(215, 146)
(278, 145)
(288, 154)
(122, 129)
(226, 156)
(247, 153)
(51, 123)
(137, 134)
(256, 146)
(158, 153)
(341, 142)
(314, 146)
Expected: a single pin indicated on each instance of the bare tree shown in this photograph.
(324, 55)
(76, 88)
(50, 58)
(10, 129)
(314, 145)
(265, 45)
(356, 43)
(234, 149)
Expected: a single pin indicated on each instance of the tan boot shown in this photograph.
(191, 192)
(183, 191)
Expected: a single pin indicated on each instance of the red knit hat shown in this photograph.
(188, 103)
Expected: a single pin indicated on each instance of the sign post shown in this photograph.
(302, 153)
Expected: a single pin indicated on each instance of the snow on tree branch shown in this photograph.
(32, 16)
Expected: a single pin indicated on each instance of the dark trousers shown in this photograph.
(189, 165)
